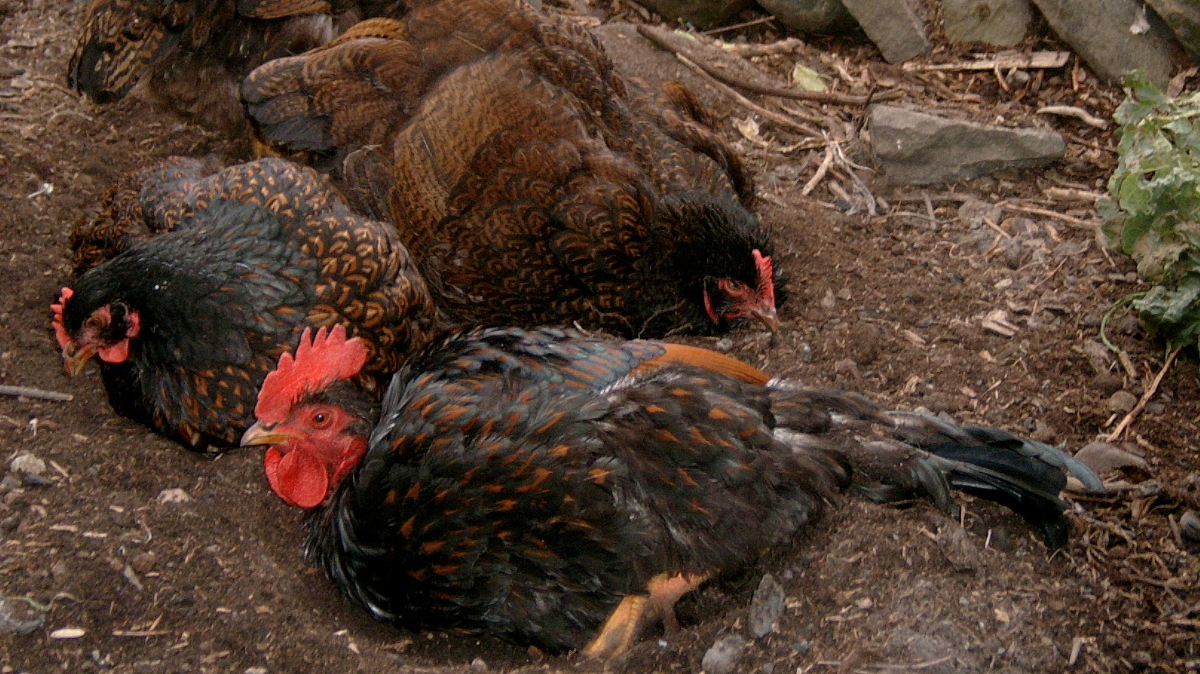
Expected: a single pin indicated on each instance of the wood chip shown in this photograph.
(997, 321)
(1038, 59)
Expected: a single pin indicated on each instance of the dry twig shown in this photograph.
(1146, 397)
(40, 394)
(655, 35)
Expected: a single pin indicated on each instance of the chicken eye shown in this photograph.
(320, 419)
(93, 322)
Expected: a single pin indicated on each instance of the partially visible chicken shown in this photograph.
(122, 221)
(532, 184)
(194, 53)
(560, 490)
(188, 323)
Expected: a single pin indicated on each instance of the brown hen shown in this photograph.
(193, 53)
(186, 324)
(531, 182)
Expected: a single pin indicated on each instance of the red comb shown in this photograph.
(766, 276)
(60, 331)
(319, 362)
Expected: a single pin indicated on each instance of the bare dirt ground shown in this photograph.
(892, 305)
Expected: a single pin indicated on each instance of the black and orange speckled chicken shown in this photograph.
(530, 181)
(186, 324)
(560, 490)
(194, 53)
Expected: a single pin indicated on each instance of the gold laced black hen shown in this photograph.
(530, 181)
(560, 490)
(187, 323)
(194, 53)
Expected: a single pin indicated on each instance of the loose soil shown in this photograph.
(893, 305)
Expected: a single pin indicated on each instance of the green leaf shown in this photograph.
(1153, 209)
(807, 79)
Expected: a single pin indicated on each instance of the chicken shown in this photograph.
(186, 324)
(530, 181)
(561, 491)
(194, 54)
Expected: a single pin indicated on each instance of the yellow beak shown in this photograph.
(76, 357)
(263, 434)
(766, 315)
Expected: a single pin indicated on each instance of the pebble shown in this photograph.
(1103, 458)
(1148, 489)
(27, 464)
(724, 345)
(1189, 526)
(766, 608)
(724, 655)
(144, 562)
(10, 622)
(68, 633)
(805, 352)
(847, 368)
(173, 496)
(958, 548)
(1122, 402)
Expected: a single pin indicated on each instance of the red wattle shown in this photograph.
(297, 478)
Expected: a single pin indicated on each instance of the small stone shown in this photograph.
(724, 345)
(60, 571)
(9, 71)
(1121, 402)
(846, 368)
(173, 496)
(1043, 432)
(1103, 458)
(479, 665)
(805, 352)
(766, 608)
(144, 562)
(1141, 659)
(255, 670)
(18, 616)
(958, 548)
(802, 646)
(1189, 526)
(1156, 409)
(27, 464)
(68, 633)
(1148, 489)
(1098, 355)
(723, 656)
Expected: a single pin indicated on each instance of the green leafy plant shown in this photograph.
(1153, 211)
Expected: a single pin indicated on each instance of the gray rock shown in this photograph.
(700, 13)
(1183, 18)
(997, 22)
(917, 148)
(723, 656)
(958, 548)
(893, 25)
(1103, 458)
(1121, 402)
(1100, 32)
(168, 496)
(18, 616)
(810, 16)
(27, 464)
(766, 608)
(1189, 527)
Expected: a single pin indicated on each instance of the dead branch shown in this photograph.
(657, 37)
